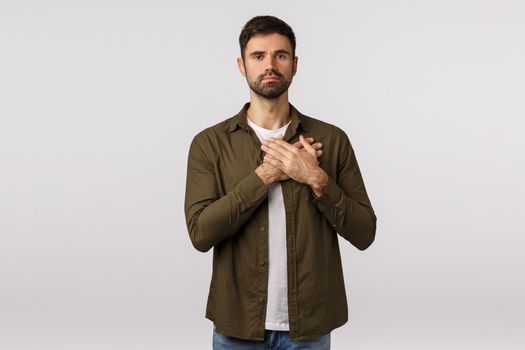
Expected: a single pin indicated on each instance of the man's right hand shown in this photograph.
(270, 174)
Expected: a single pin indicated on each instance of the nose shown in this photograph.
(270, 62)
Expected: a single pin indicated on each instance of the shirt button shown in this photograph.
(261, 262)
(263, 228)
(334, 225)
(261, 299)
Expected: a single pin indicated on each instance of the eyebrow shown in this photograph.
(263, 52)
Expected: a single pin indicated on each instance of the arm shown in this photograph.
(345, 203)
(209, 217)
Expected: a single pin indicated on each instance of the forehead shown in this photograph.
(268, 42)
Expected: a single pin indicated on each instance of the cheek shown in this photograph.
(286, 68)
(253, 67)
(252, 73)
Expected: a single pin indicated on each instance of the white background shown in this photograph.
(99, 101)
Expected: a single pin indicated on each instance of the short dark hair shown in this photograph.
(265, 25)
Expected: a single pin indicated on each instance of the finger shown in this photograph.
(308, 148)
(317, 145)
(266, 161)
(281, 146)
(304, 143)
(310, 140)
(274, 162)
(299, 145)
(319, 152)
(274, 153)
(268, 156)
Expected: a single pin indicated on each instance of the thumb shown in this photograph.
(305, 144)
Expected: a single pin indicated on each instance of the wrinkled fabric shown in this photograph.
(226, 208)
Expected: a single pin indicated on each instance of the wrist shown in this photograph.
(319, 181)
(265, 177)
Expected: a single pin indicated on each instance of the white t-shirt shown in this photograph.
(277, 303)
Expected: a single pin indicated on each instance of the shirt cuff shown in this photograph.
(330, 194)
(250, 190)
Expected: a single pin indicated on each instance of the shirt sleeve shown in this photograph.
(211, 218)
(345, 203)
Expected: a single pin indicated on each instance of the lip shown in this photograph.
(273, 77)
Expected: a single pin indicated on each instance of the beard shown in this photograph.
(270, 89)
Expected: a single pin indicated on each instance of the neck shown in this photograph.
(269, 114)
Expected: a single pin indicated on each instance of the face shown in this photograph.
(268, 64)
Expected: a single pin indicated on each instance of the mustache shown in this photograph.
(270, 73)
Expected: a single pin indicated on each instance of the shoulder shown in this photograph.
(212, 134)
(323, 129)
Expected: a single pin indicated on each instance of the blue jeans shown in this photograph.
(273, 340)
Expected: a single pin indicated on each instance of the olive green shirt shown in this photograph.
(226, 207)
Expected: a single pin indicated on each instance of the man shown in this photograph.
(272, 204)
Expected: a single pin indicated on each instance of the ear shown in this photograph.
(240, 64)
(295, 59)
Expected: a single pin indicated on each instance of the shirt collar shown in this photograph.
(240, 119)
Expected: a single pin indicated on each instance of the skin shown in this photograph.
(271, 55)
